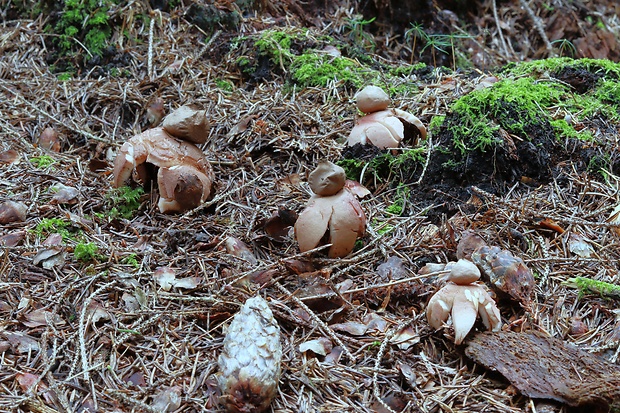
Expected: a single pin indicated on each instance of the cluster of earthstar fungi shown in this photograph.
(250, 359)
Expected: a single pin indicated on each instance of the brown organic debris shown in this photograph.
(506, 273)
(12, 211)
(250, 359)
(548, 368)
(48, 140)
(155, 112)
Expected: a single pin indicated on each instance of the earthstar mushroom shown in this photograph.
(184, 176)
(338, 214)
(381, 127)
(463, 301)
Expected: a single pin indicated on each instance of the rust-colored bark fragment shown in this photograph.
(548, 368)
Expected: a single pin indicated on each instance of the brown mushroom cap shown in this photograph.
(188, 124)
(464, 272)
(182, 187)
(372, 99)
(327, 179)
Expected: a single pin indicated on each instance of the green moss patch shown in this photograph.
(519, 127)
(302, 57)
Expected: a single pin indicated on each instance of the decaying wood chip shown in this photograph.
(548, 368)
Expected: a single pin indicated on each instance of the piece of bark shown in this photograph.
(548, 368)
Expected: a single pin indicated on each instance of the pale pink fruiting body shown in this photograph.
(463, 303)
(341, 214)
(184, 177)
(463, 272)
(188, 123)
(384, 129)
(372, 99)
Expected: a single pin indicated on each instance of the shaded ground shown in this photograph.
(100, 331)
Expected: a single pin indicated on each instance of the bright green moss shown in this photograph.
(124, 201)
(85, 251)
(553, 65)
(49, 226)
(385, 166)
(313, 69)
(587, 285)
(435, 124)
(43, 161)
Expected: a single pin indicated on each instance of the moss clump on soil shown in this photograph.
(299, 55)
(514, 128)
(49, 226)
(382, 167)
(318, 69)
(123, 202)
(83, 22)
(587, 285)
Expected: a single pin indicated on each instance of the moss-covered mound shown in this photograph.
(535, 116)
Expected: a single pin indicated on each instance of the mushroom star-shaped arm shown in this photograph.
(464, 303)
(341, 213)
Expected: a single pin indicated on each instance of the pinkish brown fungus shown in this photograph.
(382, 127)
(184, 175)
(339, 215)
(464, 303)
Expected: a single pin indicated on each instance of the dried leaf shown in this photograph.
(167, 400)
(49, 258)
(165, 277)
(392, 269)
(241, 126)
(405, 338)
(187, 283)
(408, 373)
(27, 380)
(237, 248)
(48, 140)
(141, 297)
(9, 157)
(137, 379)
(351, 327)
(131, 303)
(12, 239)
(578, 244)
(155, 112)
(65, 194)
(39, 318)
(470, 241)
(53, 240)
(22, 343)
(374, 322)
(97, 312)
(11, 211)
(280, 223)
(320, 346)
(614, 218)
